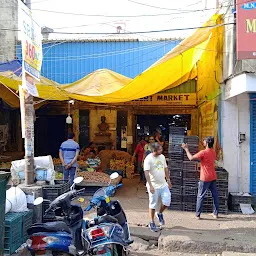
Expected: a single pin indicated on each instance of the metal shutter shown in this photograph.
(253, 144)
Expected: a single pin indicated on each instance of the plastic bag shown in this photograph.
(16, 200)
(42, 162)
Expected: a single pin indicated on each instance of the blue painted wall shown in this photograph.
(66, 62)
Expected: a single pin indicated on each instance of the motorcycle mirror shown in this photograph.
(114, 175)
(78, 180)
(38, 201)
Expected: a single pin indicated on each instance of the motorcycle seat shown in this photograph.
(107, 219)
(56, 226)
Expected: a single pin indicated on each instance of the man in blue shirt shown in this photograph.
(69, 151)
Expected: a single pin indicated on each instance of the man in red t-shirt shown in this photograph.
(140, 152)
(208, 175)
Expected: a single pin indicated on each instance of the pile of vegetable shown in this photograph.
(93, 177)
(122, 165)
(56, 161)
(6, 165)
(129, 168)
(58, 176)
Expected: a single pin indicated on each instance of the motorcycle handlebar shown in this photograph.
(80, 191)
(90, 206)
(59, 218)
(73, 195)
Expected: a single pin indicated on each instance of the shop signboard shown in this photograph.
(246, 29)
(166, 99)
(31, 41)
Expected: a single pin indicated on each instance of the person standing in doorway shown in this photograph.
(140, 152)
(148, 147)
(159, 138)
(158, 184)
(69, 151)
(208, 175)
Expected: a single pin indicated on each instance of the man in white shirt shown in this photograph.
(158, 184)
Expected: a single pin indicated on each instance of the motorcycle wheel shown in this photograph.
(118, 250)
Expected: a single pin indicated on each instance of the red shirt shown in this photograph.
(140, 151)
(207, 158)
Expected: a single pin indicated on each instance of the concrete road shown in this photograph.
(161, 253)
(182, 232)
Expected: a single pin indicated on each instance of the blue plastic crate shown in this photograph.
(13, 232)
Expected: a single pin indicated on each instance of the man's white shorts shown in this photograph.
(162, 193)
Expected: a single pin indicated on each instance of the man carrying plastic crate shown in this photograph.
(69, 151)
(208, 175)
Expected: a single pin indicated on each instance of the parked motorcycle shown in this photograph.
(108, 234)
(63, 236)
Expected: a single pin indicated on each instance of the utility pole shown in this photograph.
(27, 119)
(29, 133)
(29, 138)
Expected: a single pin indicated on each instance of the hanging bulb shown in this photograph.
(69, 119)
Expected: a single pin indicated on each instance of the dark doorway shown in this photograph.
(148, 124)
(121, 128)
(50, 132)
(84, 128)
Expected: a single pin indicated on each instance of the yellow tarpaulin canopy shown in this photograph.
(174, 68)
(105, 86)
(98, 83)
(47, 89)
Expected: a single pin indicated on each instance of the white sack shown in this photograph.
(16, 200)
(41, 162)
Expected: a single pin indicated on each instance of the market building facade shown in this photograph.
(238, 97)
(189, 98)
(67, 62)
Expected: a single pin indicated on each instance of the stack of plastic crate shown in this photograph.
(192, 142)
(177, 131)
(51, 192)
(16, 226)
(175, 154)
(189, 198)
(222, 188)
(4, 176)
(190, 175)
(235, 199)
(27, 221)
(13, 235)
(175, 170)
(190, 184)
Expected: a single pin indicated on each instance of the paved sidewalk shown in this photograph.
(233, 232)
(183, 233)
